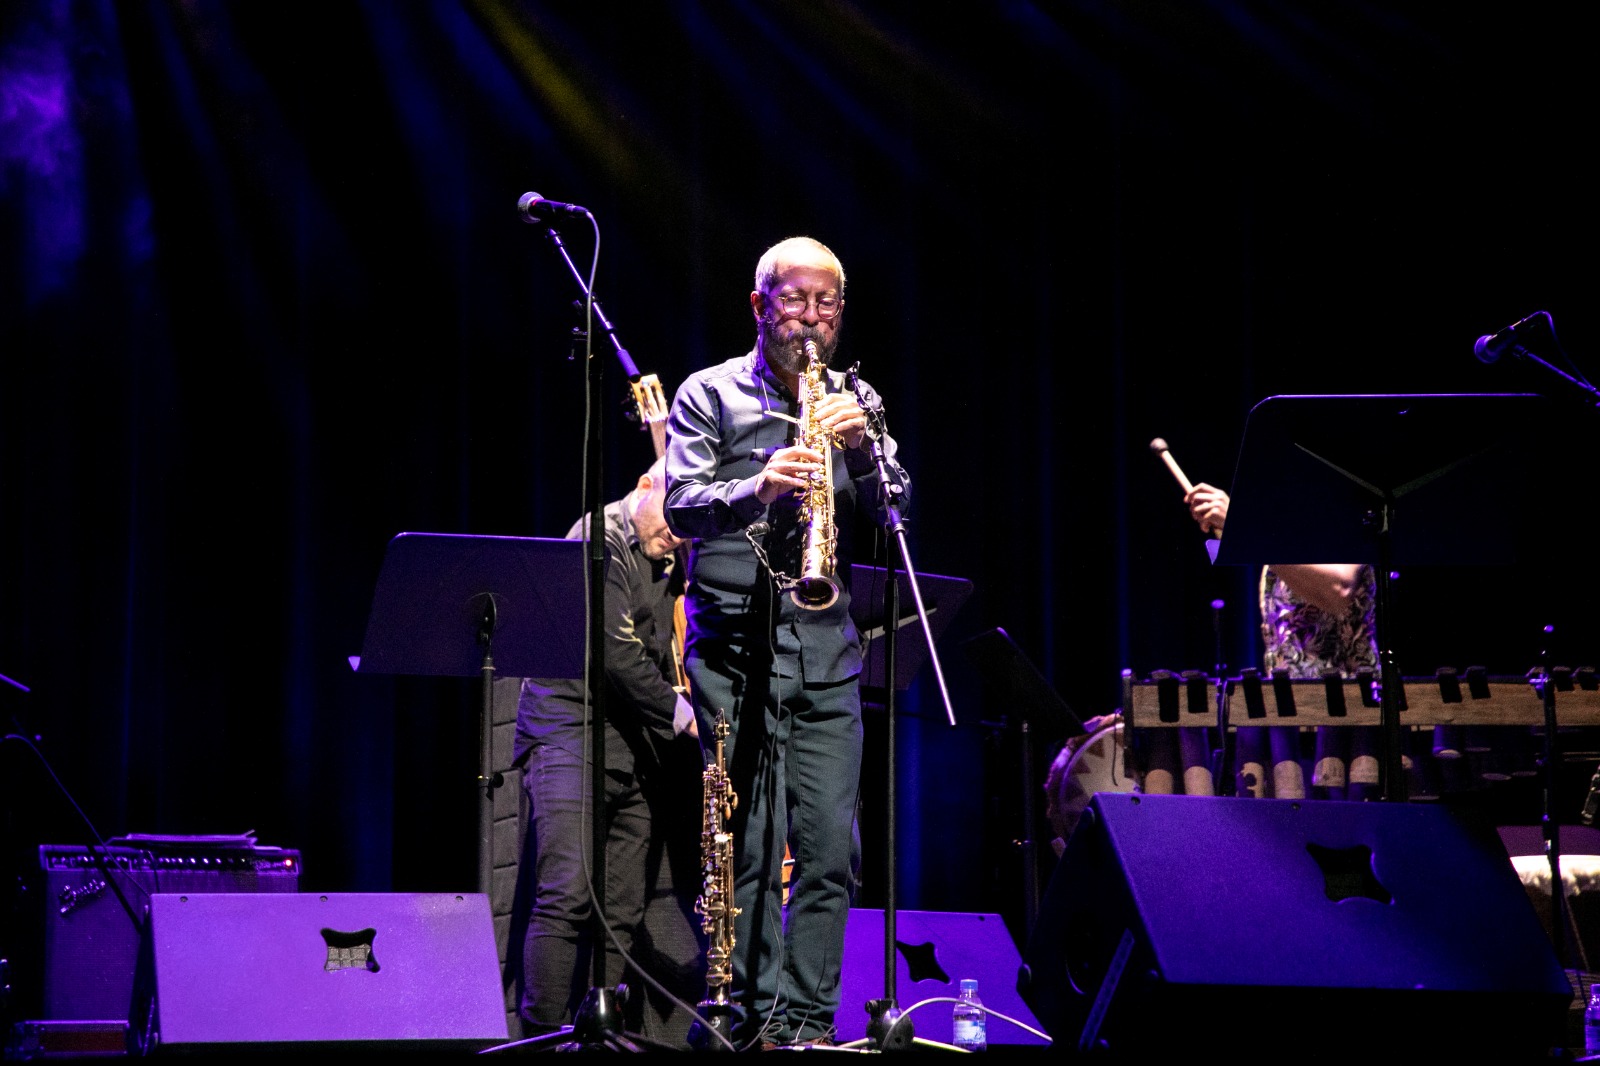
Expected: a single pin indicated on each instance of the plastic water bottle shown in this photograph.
(1591, 1021)
(970, 1022)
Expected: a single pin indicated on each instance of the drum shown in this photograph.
(1096, 765)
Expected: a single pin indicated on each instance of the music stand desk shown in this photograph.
(941, 595)
(432, 595)
(1019, 683)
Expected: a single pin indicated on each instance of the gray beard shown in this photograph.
(789, 357)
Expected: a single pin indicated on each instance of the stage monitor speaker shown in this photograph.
(934, 950)
(363, 971)
(90, 942)
(1326, 928)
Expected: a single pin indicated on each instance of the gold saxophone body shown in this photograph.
(715, 905)
(815, 589)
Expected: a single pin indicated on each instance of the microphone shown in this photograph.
(1490, 347)
(535, 208)
(757, 529)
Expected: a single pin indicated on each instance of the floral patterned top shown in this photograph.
(1304, 639)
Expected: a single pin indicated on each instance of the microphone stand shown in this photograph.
(598, 1021)
(887, 1027)
(1544, 684)
(1227, 784)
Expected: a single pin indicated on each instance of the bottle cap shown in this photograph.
(969, 984)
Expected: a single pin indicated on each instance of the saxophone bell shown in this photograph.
(815, 593)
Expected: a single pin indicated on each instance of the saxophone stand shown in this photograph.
(888, 1029)
(718, 1015)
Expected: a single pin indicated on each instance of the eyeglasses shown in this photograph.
(794, 304)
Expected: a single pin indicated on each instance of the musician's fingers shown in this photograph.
(790, 467)
(841, 415)
(1212, 518)
(850, 428)
(790, 475)
(770, 486)
(781, 476)
(795, 453)
(836, 402)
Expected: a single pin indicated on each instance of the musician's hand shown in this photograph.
(1209, 506)
(842, 416)
(683, 719)
(786, 471)
(1094, 725)
(1091, 727)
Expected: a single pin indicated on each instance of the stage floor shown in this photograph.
(66, 1041)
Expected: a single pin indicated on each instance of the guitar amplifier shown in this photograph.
(88, 943)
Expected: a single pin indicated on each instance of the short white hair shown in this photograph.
(767, 268)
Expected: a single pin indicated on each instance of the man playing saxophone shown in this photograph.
(769, 643)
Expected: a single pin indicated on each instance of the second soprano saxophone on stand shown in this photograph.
(715, 905)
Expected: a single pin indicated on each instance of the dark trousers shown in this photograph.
(558, 947)
(794, 759)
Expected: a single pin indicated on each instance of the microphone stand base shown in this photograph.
(599, 1024)
(887, 1029)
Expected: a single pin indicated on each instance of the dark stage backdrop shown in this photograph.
(267, 302)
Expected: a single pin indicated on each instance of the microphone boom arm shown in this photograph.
(628, 367)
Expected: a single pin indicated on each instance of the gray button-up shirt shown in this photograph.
(720, 435)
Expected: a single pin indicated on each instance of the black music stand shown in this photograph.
(445, 602)
(1397, 480)
(1016, 682)
(870, 608)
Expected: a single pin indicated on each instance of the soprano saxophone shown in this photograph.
(715, 905)
(815, 589)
